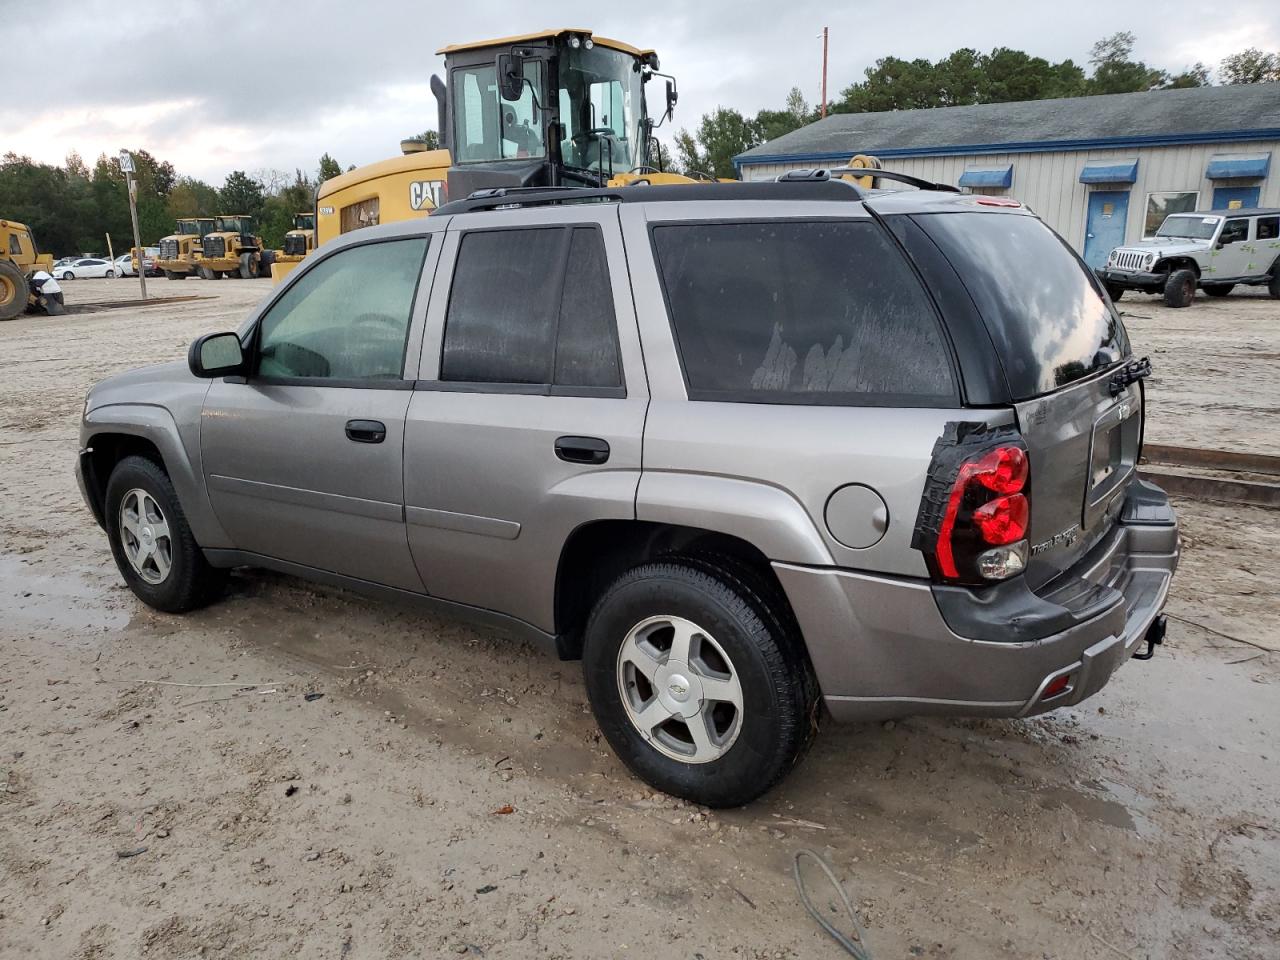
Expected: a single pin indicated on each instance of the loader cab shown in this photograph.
(242, 227)
(194, 226)
(304, 221)
(561, 107)
(299, 241)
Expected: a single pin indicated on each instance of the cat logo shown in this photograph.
(425, 194)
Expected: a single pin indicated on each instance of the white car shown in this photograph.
(86, 269)
(124, 265)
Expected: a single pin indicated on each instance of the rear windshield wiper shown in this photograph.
(1131, 372)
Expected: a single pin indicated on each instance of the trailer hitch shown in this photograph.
(1154, 637)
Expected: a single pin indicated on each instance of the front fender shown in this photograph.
(181, 459)
(768, 518)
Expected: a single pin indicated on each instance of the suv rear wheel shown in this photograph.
(1180, 288)
(697, 682)
(152, 544)
(1273, 285)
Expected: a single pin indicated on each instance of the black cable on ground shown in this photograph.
(854, 945)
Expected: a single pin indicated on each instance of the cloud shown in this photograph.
(221, 86)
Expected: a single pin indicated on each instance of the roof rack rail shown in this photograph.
(819, 174)
(505, 198)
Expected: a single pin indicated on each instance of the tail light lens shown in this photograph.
(982, 534)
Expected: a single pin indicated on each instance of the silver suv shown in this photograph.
(746, 450)
(1214, 250)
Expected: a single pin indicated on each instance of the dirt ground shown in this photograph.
(167, 791)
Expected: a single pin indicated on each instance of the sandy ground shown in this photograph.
(369, 823)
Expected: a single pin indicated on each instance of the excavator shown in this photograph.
(556, 107)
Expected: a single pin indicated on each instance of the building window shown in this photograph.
(1160, 205)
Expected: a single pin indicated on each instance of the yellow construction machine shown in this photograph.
(26, 281)
(232, 249)
(180, 250)
(298, 242)
(557, 107)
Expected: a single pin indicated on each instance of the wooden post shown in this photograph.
(824, 73)
(126, 164)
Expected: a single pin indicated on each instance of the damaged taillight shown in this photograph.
(975, 531)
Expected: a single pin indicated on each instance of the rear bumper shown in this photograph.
(882, 648)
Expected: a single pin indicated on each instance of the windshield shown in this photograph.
(304, 221)
(486, 127)
(1191, 228)
(1046, 316)
(602, 109)
(233, 224)
(186, 227)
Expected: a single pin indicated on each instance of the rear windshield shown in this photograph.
(817, 312)
(1047, 319)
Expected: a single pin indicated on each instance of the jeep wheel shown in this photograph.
(1218, 289)
(1180, 288)
(1273, 286)
(152, 543)
(1114, 291)
(698, 683)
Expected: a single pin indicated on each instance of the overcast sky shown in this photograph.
(214, 87)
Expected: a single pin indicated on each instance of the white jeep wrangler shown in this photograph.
(1213, 250)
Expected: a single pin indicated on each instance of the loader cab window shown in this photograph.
(602, 109)
(486, 127)
(15, 245)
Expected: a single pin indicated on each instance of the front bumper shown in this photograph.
(1132, 279)
(882, 648)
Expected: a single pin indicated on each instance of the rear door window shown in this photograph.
(1045, 314)
(532, 306)
(813, 312)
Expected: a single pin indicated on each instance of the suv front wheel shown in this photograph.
(152, 544)
(1180, 288)
(697, 682)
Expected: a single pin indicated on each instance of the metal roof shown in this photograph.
(543, 35)
(1196, 114)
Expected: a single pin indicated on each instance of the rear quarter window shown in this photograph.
(814, 312)
(1044, 312)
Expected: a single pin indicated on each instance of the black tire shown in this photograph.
(191, 582)
(1273, 285)
(53, 306)
(779, 692)
(1115, 292)
(1180, 288)
(172, 275)
(14, 291)
(248, 266)
(1218, 289)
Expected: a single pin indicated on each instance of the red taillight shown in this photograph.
(1003, 520)
(974, 514)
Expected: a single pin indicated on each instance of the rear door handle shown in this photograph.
(582, 449)
(366, 431)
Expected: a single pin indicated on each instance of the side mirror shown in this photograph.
(672, 97)
(216, 355)
(510, 76)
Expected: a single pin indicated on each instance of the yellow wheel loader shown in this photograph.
(26, 281)
(232, 249)
(298, 242)
(180, 250)
(557, 107)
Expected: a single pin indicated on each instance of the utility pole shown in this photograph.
(126, 164)
(824, 73)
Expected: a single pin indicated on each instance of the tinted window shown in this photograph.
(1233, 231)
(1268, 228)
(347, 318)
(816, 312)
(1046, 317)
(586, 345)
(524, 309)
(15, 245)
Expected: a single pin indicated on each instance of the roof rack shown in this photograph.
(821, 174)
(505, 198)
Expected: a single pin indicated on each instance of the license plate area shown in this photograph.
(1113, 454)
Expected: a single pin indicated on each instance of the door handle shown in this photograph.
(582, 449)
(366, 431)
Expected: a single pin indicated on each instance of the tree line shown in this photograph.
(962, 78)
(72, 208)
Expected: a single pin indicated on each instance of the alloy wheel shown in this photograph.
(144, 534)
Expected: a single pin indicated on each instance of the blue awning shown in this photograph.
(1109, 171)
(1001, 176)
(1238, 166)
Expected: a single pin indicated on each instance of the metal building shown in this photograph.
(1100, 170)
